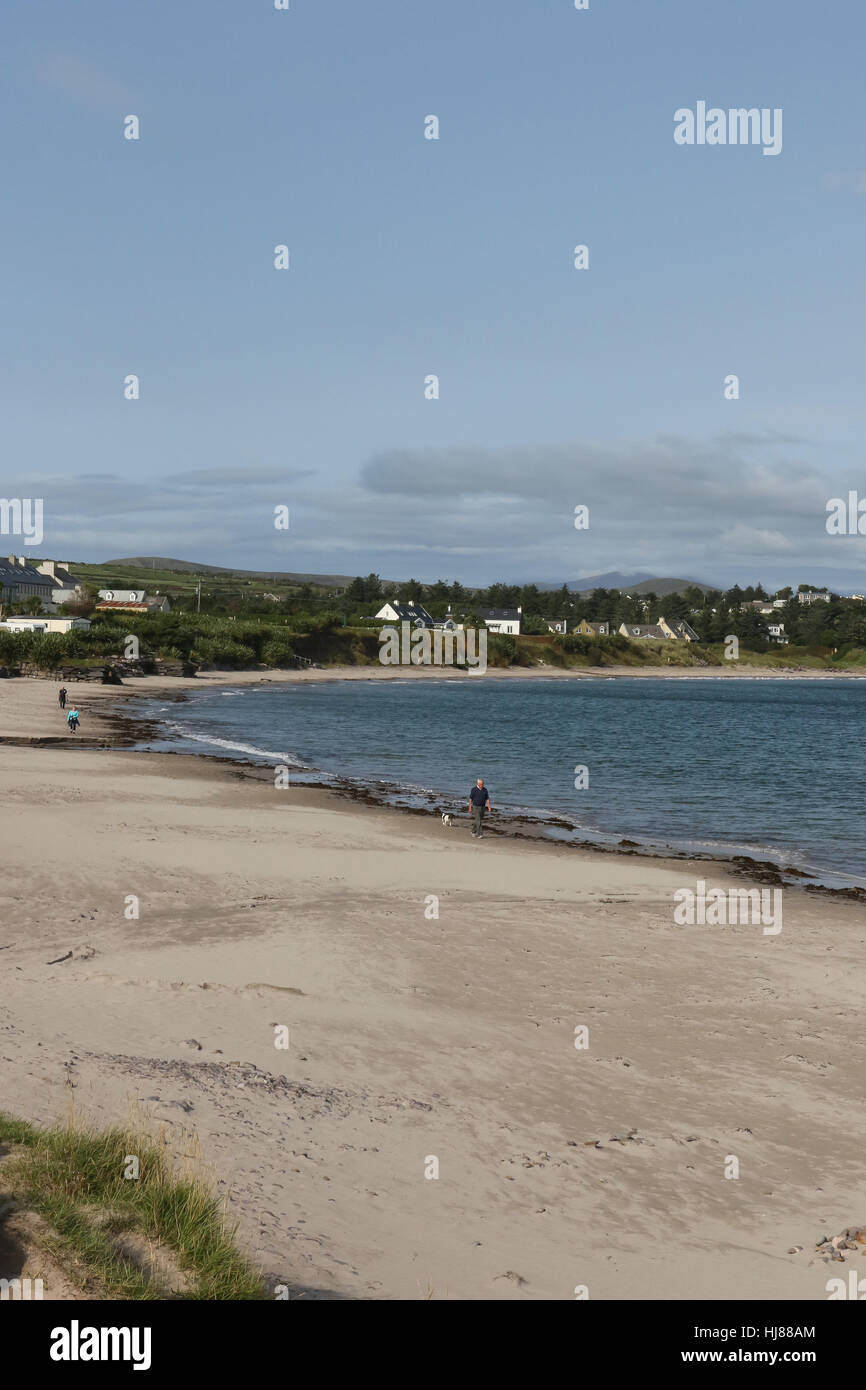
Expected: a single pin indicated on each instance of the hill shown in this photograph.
(167, 565)
(639, 583)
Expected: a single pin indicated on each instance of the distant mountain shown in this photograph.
(637, 584)
(614, 579)
(670, 586)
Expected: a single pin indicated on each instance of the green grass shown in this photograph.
(73, 1177)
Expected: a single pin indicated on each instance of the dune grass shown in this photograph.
(74, 1178)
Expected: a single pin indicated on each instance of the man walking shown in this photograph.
(61, 695)
(479, 802)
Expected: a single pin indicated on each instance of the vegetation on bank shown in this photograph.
(225, 644)
(233, 623)
(101, 1224)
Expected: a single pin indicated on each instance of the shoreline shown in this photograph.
(126, 729)
(411, 1034)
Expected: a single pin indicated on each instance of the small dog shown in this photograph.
(446, 820)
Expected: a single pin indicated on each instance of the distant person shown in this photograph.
(479, 802)
(72, 719)
(62, 696)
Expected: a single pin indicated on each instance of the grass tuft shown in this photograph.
(74, 1177)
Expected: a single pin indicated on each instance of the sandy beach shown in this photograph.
(414, 1036)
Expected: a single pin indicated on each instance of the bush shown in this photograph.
(278, 652)
(501, 649)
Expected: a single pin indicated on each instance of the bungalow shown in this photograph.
(679, 630)
(502, 619)
(122, 595)
(638, 632)
(760, 605)
(131, 601)
(46, 624)
(413, 612)
(559, 625)
(587, 629)
(777, 633)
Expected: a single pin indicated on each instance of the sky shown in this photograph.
(409, 258)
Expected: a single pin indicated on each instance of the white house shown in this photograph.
(819, 596)
(777, 633)
(502, 619)
(557, 625)
(414, 613)
(46, 624)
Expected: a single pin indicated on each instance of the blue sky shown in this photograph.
(454, 257)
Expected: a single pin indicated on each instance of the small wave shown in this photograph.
(234, 747)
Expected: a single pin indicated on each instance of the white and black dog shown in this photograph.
(446, 820)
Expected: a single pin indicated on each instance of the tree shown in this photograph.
(32, 605)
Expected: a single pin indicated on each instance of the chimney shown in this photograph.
(22, 560)
(12, 561)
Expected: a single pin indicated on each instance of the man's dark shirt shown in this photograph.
(479, 796)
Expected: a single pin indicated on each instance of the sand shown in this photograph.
(412, 1037)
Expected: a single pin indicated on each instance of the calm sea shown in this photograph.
(770, 768)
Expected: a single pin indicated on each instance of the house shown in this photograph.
(501, 619)
(587, 629)
(758, 605)
(678, 629)
(46, 624)
(777, 633)
(559, 625)
(66, 586)
(19, 579)
(819, 596)
(639, 632)
(122, 595)
(131, 601)
(414, 613)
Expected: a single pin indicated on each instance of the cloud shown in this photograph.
(243, 477)
(82, 79)
(745, 538)
(845, 181)
(730, 506)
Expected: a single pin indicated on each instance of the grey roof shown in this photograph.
(410, 612)
(644, 630)
(682, 628)
(24, 574)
